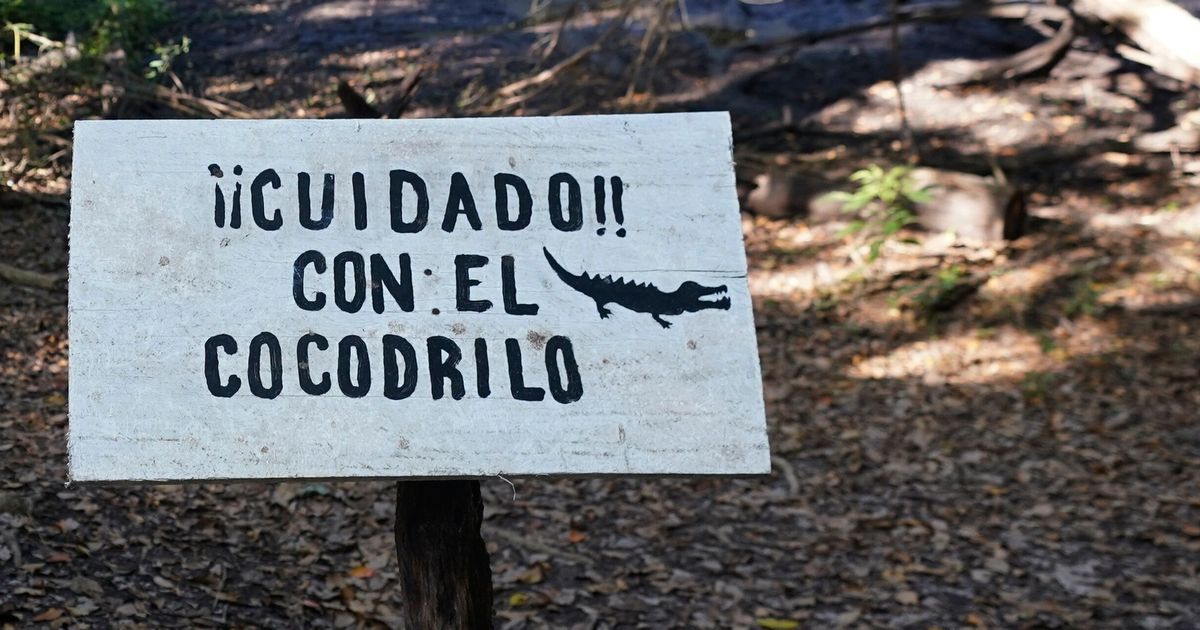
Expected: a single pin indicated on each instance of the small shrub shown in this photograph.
(166, 55)
(897, 196)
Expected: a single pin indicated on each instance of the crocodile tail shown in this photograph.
(572, 280)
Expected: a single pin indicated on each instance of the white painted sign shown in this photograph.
(451, 298)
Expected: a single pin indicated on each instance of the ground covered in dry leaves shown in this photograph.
(963, 435)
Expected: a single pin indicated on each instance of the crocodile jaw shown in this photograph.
(721, 302)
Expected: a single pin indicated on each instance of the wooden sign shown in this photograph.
(448, 298)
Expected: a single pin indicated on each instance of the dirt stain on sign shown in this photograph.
(537, 339)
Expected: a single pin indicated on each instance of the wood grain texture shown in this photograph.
(445, 575)
(152, 278)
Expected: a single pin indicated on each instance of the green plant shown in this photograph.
(897, 196)
(1085, 298)
(935, 292)
(18, 30)
(939, 293)
(1036, 385)
(166, 55)
(99, 26)
(1046, 342)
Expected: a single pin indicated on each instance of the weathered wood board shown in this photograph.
(414, 298)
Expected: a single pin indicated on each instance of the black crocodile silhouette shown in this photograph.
(640, 297)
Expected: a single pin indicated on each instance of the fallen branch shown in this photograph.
(1039, 58)
(789, 473)
(1033, 60)
(919, 14)
(657, 24)
(187, 103)
(552, 46)
(404, 93)
(727, 82)
(550, 73)
(356, 105)
(28, 278)
(1184, 138)
(1169, 35)
(1179, 140)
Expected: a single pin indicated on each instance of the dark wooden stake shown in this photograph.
(445, 575)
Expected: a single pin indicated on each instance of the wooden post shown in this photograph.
(445, 575)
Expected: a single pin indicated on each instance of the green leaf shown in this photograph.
(860, 176)
(857, 201)
(896, 221)
(921, 195)
(873, 254)
(852, 228)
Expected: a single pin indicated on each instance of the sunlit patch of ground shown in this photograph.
(970, 357)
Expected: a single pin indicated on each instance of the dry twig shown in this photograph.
(28, 278)
(549, 74)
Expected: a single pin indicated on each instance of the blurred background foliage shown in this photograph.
(98, 26)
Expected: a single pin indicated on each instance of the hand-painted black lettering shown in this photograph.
(363, 362)
(573, 391)
(574, 218)
(258, 205)
(482, 375)
(444, 356)
(317, 260)
(398, 178)
(212, 375)
(304, 364)
(618, 188)
(598, 187)
(347, 303)
(508, 288)
(516, 376)
(360, 201)
(235, 215)
(503, 182)
(274, 367)
(382, 277)
(303, 184)
(463, 264)
(460, 201)
(393, 387)
(218, 206)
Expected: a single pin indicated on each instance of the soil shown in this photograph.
(963, 434)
